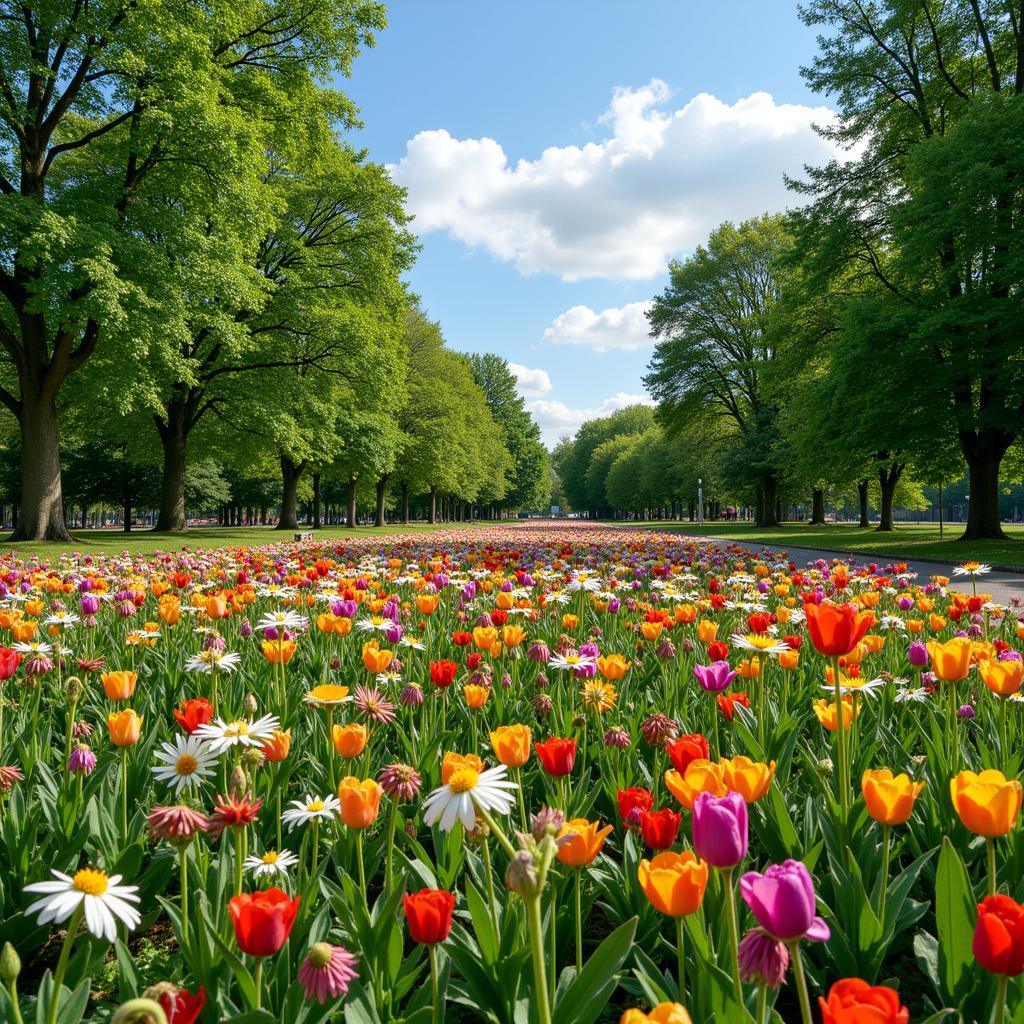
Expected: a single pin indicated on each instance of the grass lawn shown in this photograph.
(141, 541)
(917, 540)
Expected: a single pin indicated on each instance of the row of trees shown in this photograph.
(874, 334)
(196, 267)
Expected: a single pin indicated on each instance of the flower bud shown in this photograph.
(74, 689)
(249, 705)
(10, 964)
(521, 876)
(238, 782)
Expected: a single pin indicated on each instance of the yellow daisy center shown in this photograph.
(270, 857)
(237, 729)
(315, 805)
(463, 780)
(90, 881)
(761, 641)
(186, 764)
(572, 659)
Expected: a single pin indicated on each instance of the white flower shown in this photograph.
(761, 643)
(464, 792)
(271, 863)
(288, 619)
(61, 618)
(414, 642)
(186, 761)
(105, 901)
(972, 569)
(918, 695)
(850, 686)
(33, 647)
(273, 590)
(583, 581)
(301, 812)
(377, 623)
(220, 735)
(571, 662)
(213, 660)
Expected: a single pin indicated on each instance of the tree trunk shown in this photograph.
(290, 473)
(174, 439)
(127, 496)
(862, 499)
(382, 486)
(316, 501)
(433, 505)
(768, 513)
(42, 504)
(818, 507)
(405, 502)
(888, 478)
(352, 502)
(984, 451)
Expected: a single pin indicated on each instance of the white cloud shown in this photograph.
(556, 419)
(618, 208)
(623, 327)
(531, 383)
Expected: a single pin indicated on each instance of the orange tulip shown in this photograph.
(485, 637)
(951, 661)
(701, 776)
(350, 740)
(570, 621)
(652, 630)
(788, 660)
(663, 1013)
(889, 799)
(476, 696)
(836, 629)
(360, 801)
(685, 613)
(216, 606)
(512, 636)
(124, 727)
(374, 658)
(24, 630)
(613, 666)
(826, 712)
(1002, 677)
(452, 762)
(750, 779)
(706, 631)
(587, 840)
(427, 603)
(119, 685)
(276, 748)
(511, 744)
(987, 803)
(279, 652)
(674, 882)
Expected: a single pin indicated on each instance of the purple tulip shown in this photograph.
(720, 829)
(393, 633)
(714, 677)
(782, 901)
(918, 654)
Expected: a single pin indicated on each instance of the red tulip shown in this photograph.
(632, 804)
(836, 628)
(461, 639)
(999, 935)
(263, 920)
(429, 913)
(442, 673)
(691, 747)
(499, 616)
(10, 659)
(718, 650)
(557, 755)
(660, 828)
(758, 622)
(193, 714)
(727, 703)
(473, 661)
(181, 1007)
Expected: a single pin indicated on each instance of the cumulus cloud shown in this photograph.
(618, 208)
(622, 327)
(556, 419)
(530, 383)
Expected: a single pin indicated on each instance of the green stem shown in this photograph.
(183, 866)
(991, 851)
(257, 980)
(388, 850)
(362, 869)
(681, 958)
(124, 795)
(485, 852)
(315, 844)
(885, 874)
(540, 981)
(762, 1004)
(239, 859)
(801, 983)
(497, 831)
(579, 920)
(12, 988)
(435, 986)
(522, 805)
(62, 963)
(1000, 1000)
(553, 940)
(843, 775)
(734, 956)
(1003, 749)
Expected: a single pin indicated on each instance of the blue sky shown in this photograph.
(558, 153)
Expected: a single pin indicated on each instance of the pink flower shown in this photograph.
(720, 829)
(782, 901)
(326, 972)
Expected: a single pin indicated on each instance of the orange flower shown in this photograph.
(277, 747)
(685, 613)
(652, 630)
(9, 616)
(119, 685)
(674, 882)
(476, 696)
(124, 727)
(512, 636)
(24, 629)
(826, 712)
(836, 629)
(452, 762)
(706, 631)
(613, 666)
(937, 623)
(216, 606)
(701, 776)
(570, 621)
(511, 744)
(987, 803)
(350, 740)
(1002, 677)
(427, 603)
(587, 840)
(749, 668)
(915, 625)
(889, 798)
(873, 642)
(951, 661)
(750, 779)
(360, 801)
(789, 660)
(485, 637)
(169, 609)
(374, 658)
(279, 652)
(663, 1013)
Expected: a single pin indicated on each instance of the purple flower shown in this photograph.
(763, 959)
(714, 677)
(326, 972)
(782, 901)
(720, 829)
(918, 654)
(81, 759)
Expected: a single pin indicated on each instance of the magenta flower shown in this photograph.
(720, 829)
(762, 958)
(326, 972)
(782, 901)
(714, 677)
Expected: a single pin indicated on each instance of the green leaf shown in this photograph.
(954, 919)
(588, 994)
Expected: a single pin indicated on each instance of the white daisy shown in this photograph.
(376, 623)
(271, 864)
(761, 643)
(414, 642)
(302, 812)
(32, 647)
(917, 695)
(220, 735)
(105, 902)
(572, 661)
(972, 569)
(213, 660)
(868, 687)
(583, 581)
(281, 620)
(464, 792)
(185, 762)
(61, 618)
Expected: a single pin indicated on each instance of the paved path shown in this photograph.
(1001, 585)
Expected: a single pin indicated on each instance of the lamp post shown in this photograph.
(700, 502)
